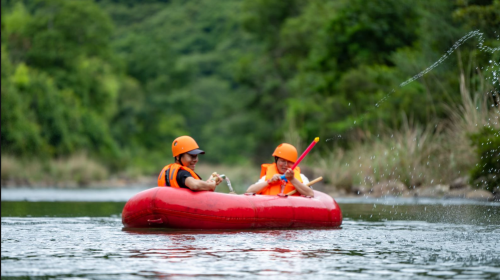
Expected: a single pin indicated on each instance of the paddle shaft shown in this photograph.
(308, 184)
(282, 177)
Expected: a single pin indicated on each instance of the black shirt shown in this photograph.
(181, 178)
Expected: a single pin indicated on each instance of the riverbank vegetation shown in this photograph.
(436, 154)
(95, 89)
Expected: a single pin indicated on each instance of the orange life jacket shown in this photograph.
(270, 169)
(171, 170)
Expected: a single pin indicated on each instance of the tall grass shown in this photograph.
(76, 170)
(413, 155)
(80, 171)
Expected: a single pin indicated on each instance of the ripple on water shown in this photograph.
(98, 247)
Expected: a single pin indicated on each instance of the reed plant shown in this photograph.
(76, 170)
(414, 155)
(13, 169)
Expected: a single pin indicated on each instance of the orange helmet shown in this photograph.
(286, 151)
(185, 144)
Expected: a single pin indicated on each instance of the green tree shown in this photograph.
(59, 79)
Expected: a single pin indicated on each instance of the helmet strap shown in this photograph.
(178, 160)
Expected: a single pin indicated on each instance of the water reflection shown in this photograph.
(457, 214)
(61, 209)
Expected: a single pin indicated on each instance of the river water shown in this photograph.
(78, 234)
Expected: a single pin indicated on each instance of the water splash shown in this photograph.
(461, 41)
(333, 139)
(457, 44)
(228, 183)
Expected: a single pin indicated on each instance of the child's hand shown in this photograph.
(289, 174)
(216, 178)
(275, 178)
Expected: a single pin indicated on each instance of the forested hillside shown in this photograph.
(120, 80)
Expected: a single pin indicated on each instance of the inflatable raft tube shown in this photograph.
(165, 207)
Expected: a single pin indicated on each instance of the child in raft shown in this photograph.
(285, 155)
(181, 173)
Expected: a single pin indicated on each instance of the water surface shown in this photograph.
(379, 239)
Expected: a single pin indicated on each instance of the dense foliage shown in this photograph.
(487, 171)
(121, 79)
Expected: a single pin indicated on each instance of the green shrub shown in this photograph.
(486, 174)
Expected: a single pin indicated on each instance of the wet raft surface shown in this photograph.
(184, 209)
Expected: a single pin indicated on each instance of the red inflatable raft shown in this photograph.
(165, 207)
